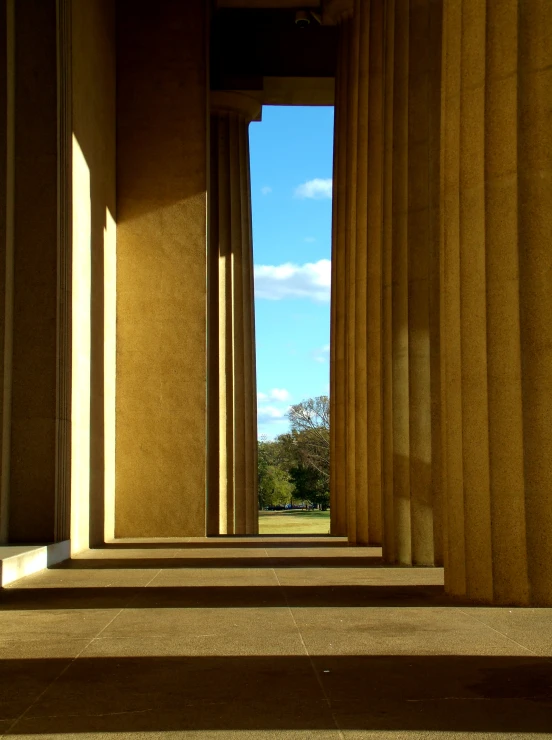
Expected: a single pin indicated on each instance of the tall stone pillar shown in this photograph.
(338, 415)
(232, 469)
(496, 330)
(30, 275)
(356, 420)
(58, 134)
(162, 178)
(410, 276)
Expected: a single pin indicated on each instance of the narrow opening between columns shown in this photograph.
(291, 183)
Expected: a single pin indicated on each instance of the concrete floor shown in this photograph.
(264, 638)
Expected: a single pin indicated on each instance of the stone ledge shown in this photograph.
(18, 561)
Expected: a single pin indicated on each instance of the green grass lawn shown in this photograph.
(294, 522)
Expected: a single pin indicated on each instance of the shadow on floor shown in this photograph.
(208, 563)
(221, 597)
(302, 541)
(364, 693)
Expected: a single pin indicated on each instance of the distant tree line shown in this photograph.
(295, 466)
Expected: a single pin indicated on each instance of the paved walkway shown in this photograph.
(264, 638)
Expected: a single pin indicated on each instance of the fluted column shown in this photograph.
(410, 277)
(232, 484)
(496, 328)
(338, 446)
(356, 284)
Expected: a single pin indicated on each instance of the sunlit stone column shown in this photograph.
(496, 338)
(410, 276)
(356, 282)
(232, 485)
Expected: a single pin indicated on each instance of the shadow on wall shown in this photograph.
(412, 512)
(380, 693)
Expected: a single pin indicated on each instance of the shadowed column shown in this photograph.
(385, 379)
(338, 445)
(356, 285)
(496, 332)
(232, 486)
(31, 274)
(410, 276)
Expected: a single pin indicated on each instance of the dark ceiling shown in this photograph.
(247, 45)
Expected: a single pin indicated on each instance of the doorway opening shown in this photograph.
(291, 156)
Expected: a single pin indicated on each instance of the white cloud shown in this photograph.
(270, 414)
(321, 355)
(310, 239)
(276, 394)
(279, 394)
(266, 189)
(317, 188)
(311, 280)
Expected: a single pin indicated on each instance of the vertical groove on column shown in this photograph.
(389, 554)
(250, 416)
(374, 135)
(434, 275)
(213, 344)
(475, 441)
(358, 285)
(353, 33)
(503, 311)
(535, 272)
(421, 509)
(63, 369)
(334, 526)
(250, 310)
(451, 368)
(249, 441)
(338, 454)
(238, 357)
(444, 198)
(226, 380)
(9, 273)
(335, 521)
(401, 443)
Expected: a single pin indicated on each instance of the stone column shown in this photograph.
(232, 485)
(338, 444)
(356, 285)
(7, 131)
(30, 407)
(162, 179)
(496, 329)
(410, 275)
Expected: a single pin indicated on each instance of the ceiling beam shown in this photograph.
(269, 4)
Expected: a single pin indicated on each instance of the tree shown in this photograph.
(297, 464)
(310, 429)
(274, 484)
(310, 485)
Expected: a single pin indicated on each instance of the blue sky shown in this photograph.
(291, 170)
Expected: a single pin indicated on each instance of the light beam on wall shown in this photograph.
(81, 349)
